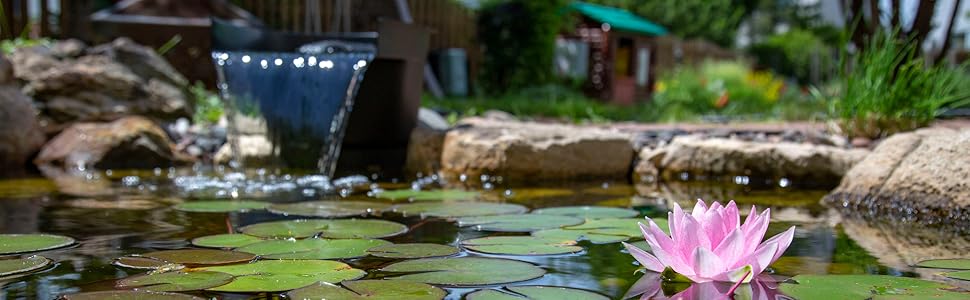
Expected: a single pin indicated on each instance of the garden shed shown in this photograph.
(610, 50)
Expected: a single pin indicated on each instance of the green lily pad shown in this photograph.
(465, 271)
(128, 295)
(328, 209)
(588, 212)
(232, 240)
(200, 257)
(20, 243)
(221, 206)
(23, 265)
(414, 195)
(953, 264)
(458, 209)
(369, 289)
(283, 275)
(177, 281)
(313, 248)
(521, 245)
(417, 250)
(601, 231)
(962, 275)
(138, 262)
(518, 223)
(837, 287)
(335, 229)
(535, 292)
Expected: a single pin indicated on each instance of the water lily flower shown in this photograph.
(764, 287)
(711, 244)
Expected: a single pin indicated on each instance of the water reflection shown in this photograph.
(651, 286)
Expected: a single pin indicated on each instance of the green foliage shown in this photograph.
(519, 40)
(714, 20)
(717, 88)
(208, 106)
(8, 46)
(794, 53)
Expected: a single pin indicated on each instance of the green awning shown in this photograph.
(619, 19)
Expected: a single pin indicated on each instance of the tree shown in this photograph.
(519, 37)
(714, 20)
(866, 18)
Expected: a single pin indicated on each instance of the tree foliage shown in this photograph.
(714, 20)
(519, 38)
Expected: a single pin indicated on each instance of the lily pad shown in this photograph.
(138, 262)
(953, 264)
(23, 265)
(328, 209)
(126, 295)
(535, 292)
(601, 231)
(313, 248)
(177, 281)
(20, 243)
(962, 275)
(336, 229)
(414, 195)
(233, 240)
(283, 275)
(200, 257)
(588, 212)
(518, 223)
(369, 289)
(837, 287)
(521, 245)
(417, 250)
(458, 209)
(221, 206)
(465, 271)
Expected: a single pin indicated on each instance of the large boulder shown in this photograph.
(704, 157)
(424, 145)
(922, 175)
(527, 151)
(20, 133)
(127, 143)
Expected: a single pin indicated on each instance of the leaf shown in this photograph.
(20, 243)
(414, 195)
(137, 262)
(458, 209)
(369, 289)
(962, 275)
(535, 292)
(328, 209)
(225, 240)
(837, 287)
(126, 295)
(313, 248)
(200, 257)
(953, 264)
(601, 231)
(417, 250)
(521, 245)
(23, 265)
(283, 275)
(337, 229)
(177, 281)
(588, 212)
(221, 206)
(465, 271)
(518, 223)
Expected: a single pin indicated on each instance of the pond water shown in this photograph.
(136, 216)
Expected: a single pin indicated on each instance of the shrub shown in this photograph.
(519, 41)
(794, 53)
(724, 88)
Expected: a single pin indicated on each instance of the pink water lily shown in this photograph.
(711, 244)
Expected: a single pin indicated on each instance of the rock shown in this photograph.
(255, 150)
(20, 133)
(430, 119)
(143, 61)
(900, 245)
(527, 151)
(69, 48)
(128, 143)
(424, 151)
(861, 142)
(922, 175)
(6, 70)
(499, 115)
(715, 157)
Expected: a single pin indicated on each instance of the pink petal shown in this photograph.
(660, 237)
(699, 209)
(755, 232)
(784, 240)
(675, 220)
(646, 260)
(731, 216)
(692, 236)
(706, 263)
(736, 274)
(671, 260)
(762, 257)
(731, 250)
(714, 228)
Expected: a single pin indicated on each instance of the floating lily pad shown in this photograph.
(336, 229)
(535, 292)
(233, 240)
(601, 231)
(588, 212)
(953, 264)
(23, 265)
(962, 275)
(526, 194)
(328, 209)
(417, 250)
(284, 275)
(428, 195)
(837, 287)
(20, 243)
(200, 257)
(221, 206)
(521, 245)
(518, 223)
(128, 295)
(458, 209)
(138, 262)
(369, 289)
(465, 271)
(313, 248)
(177, 281)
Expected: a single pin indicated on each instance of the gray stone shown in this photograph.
(254, 150)
(430, 119)
(20, 133)
(69, 48)
(142, 60)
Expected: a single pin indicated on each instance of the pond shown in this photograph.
(140, 213)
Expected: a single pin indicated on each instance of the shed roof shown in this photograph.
(618, 19)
